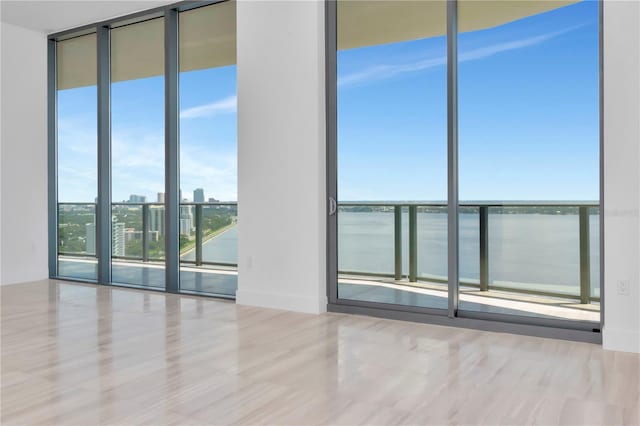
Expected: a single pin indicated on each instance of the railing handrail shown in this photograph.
(377, 203)
(470, 203)
(154, 203)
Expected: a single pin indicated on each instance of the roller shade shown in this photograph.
(208, 34)
(76, 62)
(208, 37)
(207, 40)
(137, 50)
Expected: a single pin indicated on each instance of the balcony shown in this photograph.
(524, 259)
(531, 259)
(208, 245)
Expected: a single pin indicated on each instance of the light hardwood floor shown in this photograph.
(85, 355)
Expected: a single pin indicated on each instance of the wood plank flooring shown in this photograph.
(77, 354)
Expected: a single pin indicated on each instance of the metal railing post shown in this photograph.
(413, 244)
(198, 234)
(397, 240)
(484, 247)
(145, 232)
(585, 281)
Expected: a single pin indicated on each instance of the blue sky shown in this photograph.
(528, 113)
(208, 150)
(528, 120)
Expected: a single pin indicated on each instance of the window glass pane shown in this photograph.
(137, 153)
(77, 157)
(529, 156)
(392, 152)
(208, 150)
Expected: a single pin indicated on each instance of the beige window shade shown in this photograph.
(373, 22)
(207, 40)
(208, 34)
(208, 37)
(76, 62)
(137, 50)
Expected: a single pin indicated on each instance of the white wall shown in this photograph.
(281, 155)
(23, 143)
(621, 175)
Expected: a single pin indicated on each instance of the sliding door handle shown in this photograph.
(333, 206)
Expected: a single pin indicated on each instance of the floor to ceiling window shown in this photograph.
(77, 157)
(208, 150)
(137, 153)
(519, 147)
(121, 104)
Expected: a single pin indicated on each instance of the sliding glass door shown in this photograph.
(463, 141)
(529, 155)
(392, 153)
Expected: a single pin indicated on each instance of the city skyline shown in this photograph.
(198, 197)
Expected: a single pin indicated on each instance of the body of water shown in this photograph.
(223, 248)
(530, 251)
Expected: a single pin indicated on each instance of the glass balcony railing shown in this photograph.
(77, 241)
(208, 241)
(213, 238)
(547, 249)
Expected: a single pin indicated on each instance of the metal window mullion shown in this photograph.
(601, 229)
(331, 99)
(452, 155)
(103, 213)
(172, 153)
(52, 158)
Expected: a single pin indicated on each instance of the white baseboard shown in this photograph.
(285, 302)
(15, 281)
(616, 339)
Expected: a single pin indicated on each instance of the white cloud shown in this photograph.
(485, 52)
(386, 71)
(383, 72)
(226, 105)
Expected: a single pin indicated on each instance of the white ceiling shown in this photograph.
(51, 16)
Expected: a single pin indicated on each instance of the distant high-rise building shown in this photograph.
(198, 195)
(156, 219)
(133, 198)
(161, 197)
(118, 239)
(213, 200)
(90, 241)
(186, 220)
